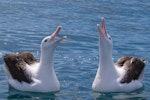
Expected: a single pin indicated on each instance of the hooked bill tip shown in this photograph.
(102, 18)
(60, 26)
(98, 25)
(64, 37)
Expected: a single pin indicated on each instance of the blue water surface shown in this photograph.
(24, 23)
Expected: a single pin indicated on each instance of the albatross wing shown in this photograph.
(133, 67)
(16, 66)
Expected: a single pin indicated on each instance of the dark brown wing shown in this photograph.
(16, 65)
(27, 57)
(134, 67)
(122, 60)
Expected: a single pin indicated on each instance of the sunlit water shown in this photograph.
(24, 23)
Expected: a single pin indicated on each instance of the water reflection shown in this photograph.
(15, 94)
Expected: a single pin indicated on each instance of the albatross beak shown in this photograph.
(56, 33)
(102, 31)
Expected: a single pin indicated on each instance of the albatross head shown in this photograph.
(50, 42)
(105, 39)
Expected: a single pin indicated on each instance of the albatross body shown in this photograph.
(25, 73)
(123, 76)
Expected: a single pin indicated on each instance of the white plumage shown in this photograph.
(119, 77)
(32, 75)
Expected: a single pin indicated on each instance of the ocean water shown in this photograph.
(24, 23)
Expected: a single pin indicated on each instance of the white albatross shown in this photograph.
(123, 76)
(25, 73)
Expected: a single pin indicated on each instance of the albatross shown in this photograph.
(123, 76)
(26, 73)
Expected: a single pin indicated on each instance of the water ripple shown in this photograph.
(25, 23)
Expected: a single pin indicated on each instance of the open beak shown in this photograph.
(102, 30)
(56, 33)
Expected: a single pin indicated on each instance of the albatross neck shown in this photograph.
(106, 65)
(46, 67)
(47, 57)
(106, 59)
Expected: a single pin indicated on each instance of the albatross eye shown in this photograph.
(45, 40)
(109, 38)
